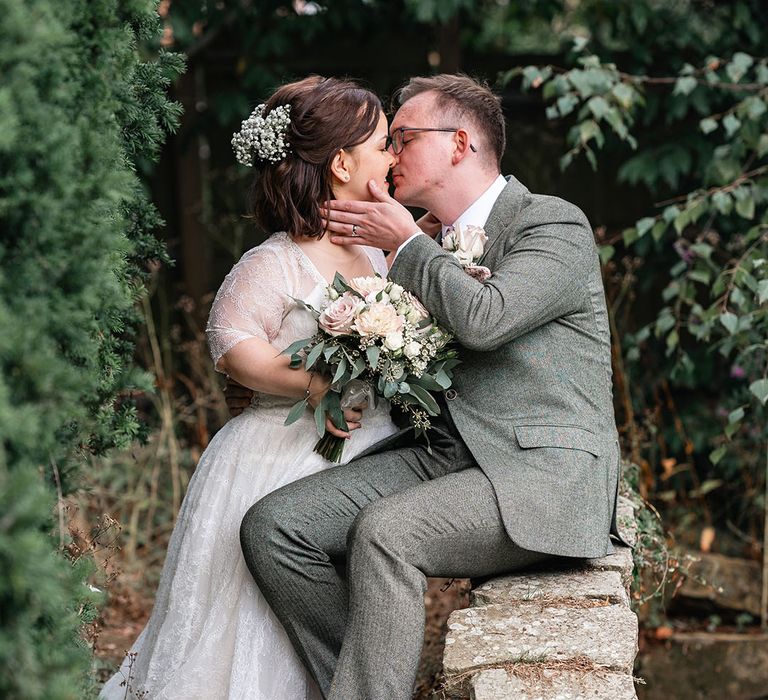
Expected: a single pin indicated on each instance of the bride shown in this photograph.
(211, 634)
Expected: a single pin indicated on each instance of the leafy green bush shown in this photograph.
(78, 108)
(675, 104)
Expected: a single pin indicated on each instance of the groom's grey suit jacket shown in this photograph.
(532, 399)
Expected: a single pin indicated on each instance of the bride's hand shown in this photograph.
(353, 416)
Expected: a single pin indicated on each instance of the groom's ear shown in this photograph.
(340, 166)
(462, 140)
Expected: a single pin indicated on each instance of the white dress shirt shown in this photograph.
(476, 214)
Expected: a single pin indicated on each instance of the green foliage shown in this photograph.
(78, 107)
(683, 111)
(717, 291)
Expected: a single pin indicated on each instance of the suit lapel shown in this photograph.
(505, 209)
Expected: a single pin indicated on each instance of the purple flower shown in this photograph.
(738, 372)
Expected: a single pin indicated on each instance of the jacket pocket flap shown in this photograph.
(568, 437)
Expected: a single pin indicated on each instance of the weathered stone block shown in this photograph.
(498, 684)
(621, 561)
(498, 634)
(553, 587)
(727, 581)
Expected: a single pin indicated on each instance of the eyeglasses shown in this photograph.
(397, 138)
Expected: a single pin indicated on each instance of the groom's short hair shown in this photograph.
(462, 97)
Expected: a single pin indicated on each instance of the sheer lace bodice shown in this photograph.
(256, 299)
(211, 633)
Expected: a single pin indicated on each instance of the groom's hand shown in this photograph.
(383, 223)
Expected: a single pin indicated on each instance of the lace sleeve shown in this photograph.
(250, 303)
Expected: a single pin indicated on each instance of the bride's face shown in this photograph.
(370, 160)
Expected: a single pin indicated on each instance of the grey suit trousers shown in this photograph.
(394, 517)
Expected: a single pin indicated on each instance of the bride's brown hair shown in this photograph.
(327, 114)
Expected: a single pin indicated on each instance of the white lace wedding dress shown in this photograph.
(211, 635)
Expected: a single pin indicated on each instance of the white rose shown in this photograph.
(337, 318)
(464, 257)
(417, 312)
(412, 349)
(333, 295)
(413, 317)
(367, 285)
(378, 319)
(393, 341)
(472, 240)
(395, 292)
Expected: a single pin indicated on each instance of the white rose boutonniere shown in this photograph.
(467, 245)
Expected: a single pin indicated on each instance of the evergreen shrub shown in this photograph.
(80, 107)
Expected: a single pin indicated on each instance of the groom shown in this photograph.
(525, 458)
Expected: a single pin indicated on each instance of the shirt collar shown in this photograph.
(477, 213)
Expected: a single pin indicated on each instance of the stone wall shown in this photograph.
(558, 634)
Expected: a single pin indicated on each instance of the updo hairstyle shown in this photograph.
(327, 114)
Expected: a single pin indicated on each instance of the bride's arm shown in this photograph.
(247, 313)
(256, 364)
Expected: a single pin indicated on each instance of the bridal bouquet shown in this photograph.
(375, 340)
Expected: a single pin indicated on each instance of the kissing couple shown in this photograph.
(288, 577)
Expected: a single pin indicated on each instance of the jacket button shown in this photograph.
(451, 394)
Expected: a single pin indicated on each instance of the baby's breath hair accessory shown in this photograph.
(263, 138)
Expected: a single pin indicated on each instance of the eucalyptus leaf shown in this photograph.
(295, 347)
(333, 405)
(443, 379)
(314, 354)
(372, 353)
(340, 370)
(320, 418)
(426, 382)
(358, 367)
(425, 399)
(296, 412)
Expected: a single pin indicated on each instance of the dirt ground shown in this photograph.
(129, 607)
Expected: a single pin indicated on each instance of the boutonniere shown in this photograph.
(467, 245)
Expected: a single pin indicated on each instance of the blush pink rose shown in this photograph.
(337, 318)
(378, 319)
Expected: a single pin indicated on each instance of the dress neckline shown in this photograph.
(313, 268)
